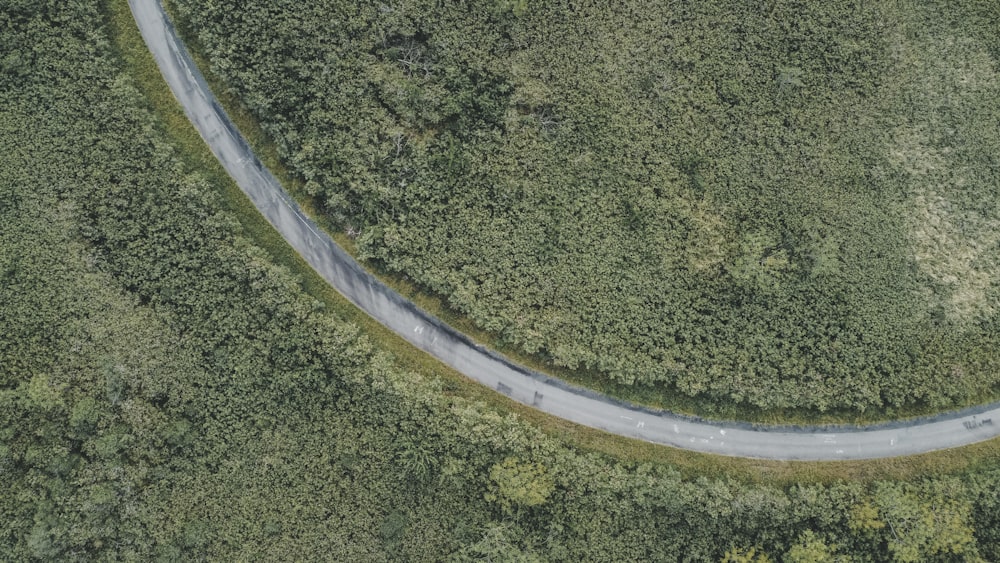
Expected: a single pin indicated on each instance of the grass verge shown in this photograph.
(195, 154)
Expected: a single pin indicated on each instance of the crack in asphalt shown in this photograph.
(547, 394)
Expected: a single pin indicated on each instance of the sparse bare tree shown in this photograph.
(547, 118)
(413, 58)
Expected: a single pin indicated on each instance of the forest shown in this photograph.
(777, 205)
(169, 393)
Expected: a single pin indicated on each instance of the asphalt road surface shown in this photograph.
(544, 393)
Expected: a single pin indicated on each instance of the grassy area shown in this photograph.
(576, 246)
(437, 306)
(195, 153)
(655, 397)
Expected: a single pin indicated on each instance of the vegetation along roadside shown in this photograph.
(168, 392)
(881, 330)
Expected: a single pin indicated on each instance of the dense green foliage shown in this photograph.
(779, 204)
(167, 393)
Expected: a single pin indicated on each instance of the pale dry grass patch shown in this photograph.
(952, 243)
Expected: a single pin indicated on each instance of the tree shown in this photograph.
(918, 525)
(810, 548)
(516, 484)
(495, 546)
(747, 555)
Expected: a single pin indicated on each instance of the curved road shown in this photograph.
(547, 394)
